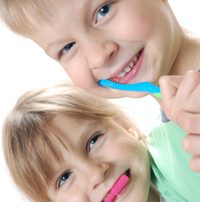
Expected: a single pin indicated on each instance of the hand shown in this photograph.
(181, 103)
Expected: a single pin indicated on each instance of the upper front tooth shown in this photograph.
(135, 59)
(122, 74)
(127, 69)
(131, 64)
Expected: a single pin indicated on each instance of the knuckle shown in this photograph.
(195, 164)
(187, 124)
(184, 120)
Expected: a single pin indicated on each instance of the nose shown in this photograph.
(98, 52)
(96, 174)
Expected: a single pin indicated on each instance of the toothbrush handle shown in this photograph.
(138, 87)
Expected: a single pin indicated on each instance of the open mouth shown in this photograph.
(130, 70)
(119, 186)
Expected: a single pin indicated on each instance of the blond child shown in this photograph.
(123, 40)
(62, 144)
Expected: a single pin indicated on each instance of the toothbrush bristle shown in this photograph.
(115, 79)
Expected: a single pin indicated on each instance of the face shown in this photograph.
(95, 156)
(126, 41)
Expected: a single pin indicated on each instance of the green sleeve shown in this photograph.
(171, 172)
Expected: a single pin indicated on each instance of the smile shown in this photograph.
(118, 187)
(130, 70)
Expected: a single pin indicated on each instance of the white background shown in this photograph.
(23, 65)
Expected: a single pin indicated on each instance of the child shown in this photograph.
(122, 40)
(62, 144)
(125, 40)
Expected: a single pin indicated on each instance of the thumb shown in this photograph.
(169, 86)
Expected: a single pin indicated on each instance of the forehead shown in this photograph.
(73, 130)
(64, 124)
(54, 14)
(62, 20)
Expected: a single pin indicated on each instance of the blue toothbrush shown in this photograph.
(138, 87)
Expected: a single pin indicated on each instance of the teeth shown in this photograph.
(126, 70)
(131, 64)
(135, 59)
(122, 74)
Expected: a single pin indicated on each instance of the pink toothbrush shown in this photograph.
(117, 188)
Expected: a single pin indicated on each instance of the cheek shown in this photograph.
(139, 21)
(80, 74)
(133, 150)
(124, 146)
(139, 31)
(135, 22)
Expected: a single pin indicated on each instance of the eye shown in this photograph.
(103, 11)
(92, 141)
(63, 178)
(66, 48)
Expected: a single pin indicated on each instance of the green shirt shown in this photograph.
(171, 172)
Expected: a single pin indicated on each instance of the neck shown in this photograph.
(188, 57)
(154, 196)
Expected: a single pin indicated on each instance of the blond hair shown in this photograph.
(21, 16)
(29, 144)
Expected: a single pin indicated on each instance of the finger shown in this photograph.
(185, 96)
(188, 121)
(169, 86)
(180, 93)
(195, 163)
(193, 101)
(187, 82)
(191, 144)
(187, 86)
(188, 93)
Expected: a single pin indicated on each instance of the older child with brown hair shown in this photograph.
(62, 144)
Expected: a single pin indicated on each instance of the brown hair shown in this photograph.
(30, 146)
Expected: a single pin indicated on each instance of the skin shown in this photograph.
(95, 157)
(99, 44)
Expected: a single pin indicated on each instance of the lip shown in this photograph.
(121, 192)
(132, 74)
